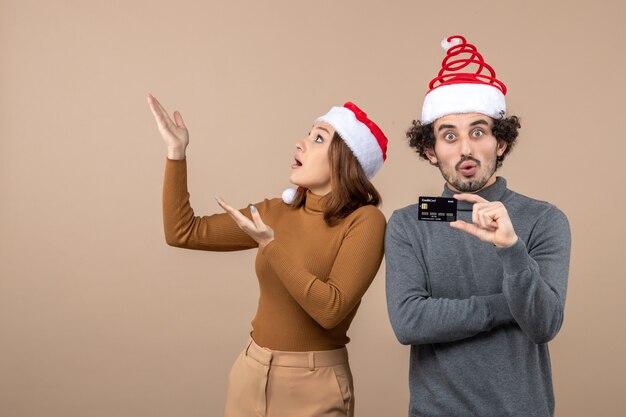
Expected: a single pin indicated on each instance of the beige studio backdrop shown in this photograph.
(99, 317)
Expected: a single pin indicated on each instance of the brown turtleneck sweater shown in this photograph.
(311, 276)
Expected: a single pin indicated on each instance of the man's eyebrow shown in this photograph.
(479, 122)
(440, 128)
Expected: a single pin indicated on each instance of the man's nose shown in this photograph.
(466, 146)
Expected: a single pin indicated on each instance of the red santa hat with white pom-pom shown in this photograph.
(364, 138)
(465, 84)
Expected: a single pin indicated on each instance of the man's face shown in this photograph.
(466, 151)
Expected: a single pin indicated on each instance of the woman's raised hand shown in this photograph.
(255, 228)
(174, 132)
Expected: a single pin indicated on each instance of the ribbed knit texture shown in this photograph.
(479, 318)
(311, 276)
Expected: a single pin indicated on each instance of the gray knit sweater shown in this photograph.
(478, 318)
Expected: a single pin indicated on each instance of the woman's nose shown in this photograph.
(300, 145)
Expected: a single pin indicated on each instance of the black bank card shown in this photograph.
(438, 209)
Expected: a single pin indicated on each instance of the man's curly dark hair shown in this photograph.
(422, 137)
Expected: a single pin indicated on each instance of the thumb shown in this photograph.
(178, 118)
(472, 229)
(256, 218)
(459, 224)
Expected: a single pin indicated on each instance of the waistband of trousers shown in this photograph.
(311, 360)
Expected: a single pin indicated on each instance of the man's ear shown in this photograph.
(502, 145)
(432, 157)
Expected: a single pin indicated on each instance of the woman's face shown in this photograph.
(311, 168)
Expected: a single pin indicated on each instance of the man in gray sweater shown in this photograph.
(478, 301)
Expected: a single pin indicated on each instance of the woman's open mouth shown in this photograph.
(296, 164)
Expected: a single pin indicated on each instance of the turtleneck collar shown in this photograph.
(314, 202)
(494, 192)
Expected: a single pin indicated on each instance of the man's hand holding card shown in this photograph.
(490, 221)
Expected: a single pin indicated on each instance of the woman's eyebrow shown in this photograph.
(322, 128)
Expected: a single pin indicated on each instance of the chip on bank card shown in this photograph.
(438, 209)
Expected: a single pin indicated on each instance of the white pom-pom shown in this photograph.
(289, 195)
(447, 45)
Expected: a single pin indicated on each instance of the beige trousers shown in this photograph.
(269, 383)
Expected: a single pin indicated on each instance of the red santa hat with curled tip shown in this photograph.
(465, 84)
(365, 139)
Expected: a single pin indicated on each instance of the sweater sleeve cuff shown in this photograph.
(514, 258)
(267, 249)
(499, 309)
(277, 258)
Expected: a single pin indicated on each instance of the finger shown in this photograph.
(482, 215)
(160, 114)
(499, 211)
(491, 212)
(165, 116)
(476, 212)
(237, 216)
(153, 106)
(491, 216)
(479, 213)
(472, 229)
(224, 205)
(471, 198)
(256, 218)
(178, 118)
(487, 222)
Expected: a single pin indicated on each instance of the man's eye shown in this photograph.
(477, 133)
(449, 136)
(319, 139)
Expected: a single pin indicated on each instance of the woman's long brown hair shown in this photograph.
(350, 187)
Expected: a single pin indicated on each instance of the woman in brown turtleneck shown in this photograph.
(319, 249)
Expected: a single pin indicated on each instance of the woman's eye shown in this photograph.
(449, 136)
(319, 139)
